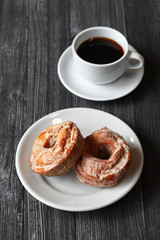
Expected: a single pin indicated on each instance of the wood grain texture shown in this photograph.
(147, 38)
(33, 35)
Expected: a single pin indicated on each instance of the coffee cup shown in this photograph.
(96, 70)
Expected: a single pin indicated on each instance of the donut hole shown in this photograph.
(102, 152)
(49, 143)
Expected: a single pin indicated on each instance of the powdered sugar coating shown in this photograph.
(56, 149)
(98, 171)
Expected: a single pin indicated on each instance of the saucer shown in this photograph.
(79, 86)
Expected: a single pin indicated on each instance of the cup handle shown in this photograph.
(135, 60)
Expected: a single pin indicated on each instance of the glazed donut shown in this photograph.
(104, 160)
(56, 149)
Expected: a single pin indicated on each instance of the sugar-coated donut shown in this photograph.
(56, 149)
(104, 160)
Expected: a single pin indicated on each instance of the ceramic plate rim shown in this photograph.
(67, 86)
(58, 206)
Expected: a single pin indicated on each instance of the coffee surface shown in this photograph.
(100, 50)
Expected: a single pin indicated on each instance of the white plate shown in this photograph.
(66, 192)
(85, 89)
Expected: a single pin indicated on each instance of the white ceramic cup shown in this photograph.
(104, 73)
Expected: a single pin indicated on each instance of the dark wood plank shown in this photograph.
(146, 39)
(13, 62)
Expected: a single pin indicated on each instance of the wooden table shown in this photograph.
(33, 35)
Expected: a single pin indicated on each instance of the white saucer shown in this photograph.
(85, 89)
(66, 192)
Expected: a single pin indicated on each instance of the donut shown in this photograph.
(56, 149)
(104, 160)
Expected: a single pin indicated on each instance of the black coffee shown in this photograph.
(100, 50)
